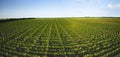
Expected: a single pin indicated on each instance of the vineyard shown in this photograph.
(60, 37)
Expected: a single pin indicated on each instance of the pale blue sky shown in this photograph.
(58, 8)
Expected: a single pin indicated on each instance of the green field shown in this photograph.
(60, 37)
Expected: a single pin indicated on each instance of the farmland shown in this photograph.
(60, 37)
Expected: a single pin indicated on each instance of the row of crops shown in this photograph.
(60, 38)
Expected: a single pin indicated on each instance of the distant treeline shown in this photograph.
(14, 19)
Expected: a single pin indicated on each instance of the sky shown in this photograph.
(59, 8)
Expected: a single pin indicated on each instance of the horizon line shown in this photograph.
(64, 17)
